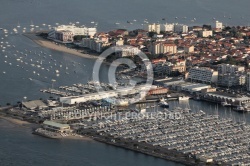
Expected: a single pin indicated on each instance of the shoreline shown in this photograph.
(51, 45)
(18, 122)
(31, 126)
(46, 43)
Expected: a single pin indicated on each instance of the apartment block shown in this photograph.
(227, 68)
(202, 74)
(162, 48)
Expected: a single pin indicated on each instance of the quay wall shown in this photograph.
(145, 148)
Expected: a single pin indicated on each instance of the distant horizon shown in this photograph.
(107, 14)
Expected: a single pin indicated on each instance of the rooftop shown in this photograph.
(55, 124)
(34, 104)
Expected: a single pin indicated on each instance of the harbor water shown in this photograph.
(18, 80)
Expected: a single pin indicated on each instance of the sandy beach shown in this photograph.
(52, 45)
(19, 122)
(28, 125)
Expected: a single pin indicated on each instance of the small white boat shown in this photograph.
(239, 108)
(225, 104)
(183, 98)
(163, 103)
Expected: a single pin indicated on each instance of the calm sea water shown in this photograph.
(18, 146)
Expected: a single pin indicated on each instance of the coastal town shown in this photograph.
(211, 60)
(208, 63)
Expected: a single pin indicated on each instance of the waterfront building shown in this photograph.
(248, 81)
(231, 75)
(205, 33)
(202, 74)
(158, 91)
(180, 28)
(192, 87)
(169, 81)
(76, 31)
(153, 28)
(162, 48)
(126, 51)
(227, 68)
(170, 68)
(34, 104)
(64, 36)
(234, 79)
(56, 127)
(104, 94)
(91, 31)
(95, 44)
(167, 27)
(232, 99)
(218, 25)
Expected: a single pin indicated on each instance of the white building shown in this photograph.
(162, 48)
(180, 28)
(126, 51)
(91, 31)
(192, 87)
(203, 74)
(234, 79)
(227, 68)
(167, 27)
(153, 28)
(64, 36)
(205, 33)
(119, 42)
(94, 44)
(106, 94)
(218, 25)
(248, 81)
(74, 29)
(56, 127)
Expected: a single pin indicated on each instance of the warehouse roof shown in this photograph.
(55, 124)
(34, 104)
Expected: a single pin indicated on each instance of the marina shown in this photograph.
(46, 87)
(95, 110)
(192, 136)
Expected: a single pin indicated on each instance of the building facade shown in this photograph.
(169, 68)
(227, 68)
(205, 33)
(126, 51)
(167, 27)
(94, 44)
(162, 48)
(229, 80)
(248, 81)
(64, 36)
(153, 28)
(82, 31)
(180, 28)
(202, 74)
(218, 25)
